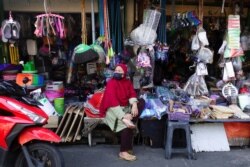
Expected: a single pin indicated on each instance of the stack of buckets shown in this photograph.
(55, 93)
(35, 80)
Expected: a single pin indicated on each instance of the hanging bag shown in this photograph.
(195, 43)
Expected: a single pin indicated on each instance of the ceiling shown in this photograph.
(228, 3)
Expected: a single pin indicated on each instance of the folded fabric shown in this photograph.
(154, 108)
(92, 106)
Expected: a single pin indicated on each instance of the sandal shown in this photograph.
(128, 123)
(127, 157)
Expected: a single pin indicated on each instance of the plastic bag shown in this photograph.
(205, 55)
(196, 86)
(143, 60)
(164, 93)
(143, 35)
(195, 43)
(161, 52)
(202, 35)
(237, 64)
(154, 108)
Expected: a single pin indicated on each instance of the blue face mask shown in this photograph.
(117, 76)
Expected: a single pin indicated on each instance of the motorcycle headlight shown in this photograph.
(36, 118)
(33, 116)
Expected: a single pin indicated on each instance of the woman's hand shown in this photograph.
(134, 110)
(128, 116)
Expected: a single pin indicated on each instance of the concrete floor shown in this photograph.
(107, 156)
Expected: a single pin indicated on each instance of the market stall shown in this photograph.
(187, 65)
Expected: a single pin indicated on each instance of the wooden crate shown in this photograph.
(71, 124)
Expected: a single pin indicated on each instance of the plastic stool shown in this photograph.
(171, 126)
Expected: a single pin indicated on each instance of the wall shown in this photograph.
(62, 6)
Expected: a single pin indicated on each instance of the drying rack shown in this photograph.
(50, 15)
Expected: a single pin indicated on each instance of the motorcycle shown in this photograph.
(24, 142)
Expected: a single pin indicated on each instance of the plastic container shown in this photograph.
(151, 18)
(59, 105)
(244, 100)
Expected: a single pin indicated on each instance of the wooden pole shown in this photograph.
(201, 3)
(84, 32)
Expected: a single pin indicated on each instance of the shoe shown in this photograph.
(128, 123)
(127, 157)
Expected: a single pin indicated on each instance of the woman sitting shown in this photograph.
(119, 107)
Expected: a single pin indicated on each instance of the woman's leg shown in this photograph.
(126, 140)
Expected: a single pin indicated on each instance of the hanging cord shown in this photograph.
(84, 32)
(223, 6)
(47, 22)
(201, 3)
(105, 23)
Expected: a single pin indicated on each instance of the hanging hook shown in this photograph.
(10, 16)
(192, 66)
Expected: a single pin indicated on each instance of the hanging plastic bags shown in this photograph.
(196, 85)
(205, 55)
(195, 43)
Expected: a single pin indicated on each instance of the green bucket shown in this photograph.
(59, 105)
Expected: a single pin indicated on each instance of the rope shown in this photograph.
(47, 22)
(105, 23)
(84, 32)
(201, 2)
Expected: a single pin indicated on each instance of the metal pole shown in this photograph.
(93, 21)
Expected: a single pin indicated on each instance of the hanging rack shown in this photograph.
(50, 15)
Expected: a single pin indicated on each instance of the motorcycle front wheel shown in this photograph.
(46, 154)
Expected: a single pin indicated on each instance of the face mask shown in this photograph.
(117, 76)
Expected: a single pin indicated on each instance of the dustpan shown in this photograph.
(84, 54)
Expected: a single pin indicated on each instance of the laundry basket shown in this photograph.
(151, 18)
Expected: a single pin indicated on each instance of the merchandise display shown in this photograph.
(185, 66)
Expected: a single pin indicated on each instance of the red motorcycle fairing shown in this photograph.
(37, 133)
(13, 106)
(7, 124)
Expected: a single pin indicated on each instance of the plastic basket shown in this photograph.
(178, 116)
(151, 18)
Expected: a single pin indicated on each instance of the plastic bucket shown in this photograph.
(38, 80)
(244, 100)
(59, 105)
